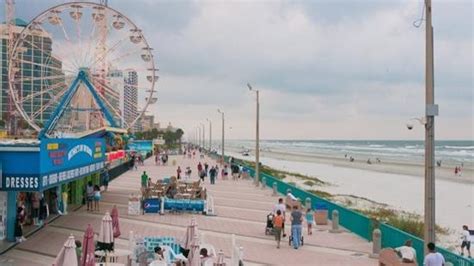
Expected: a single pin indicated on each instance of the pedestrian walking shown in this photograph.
(89, 195)
(105, 177)
(178, 173)
(280, 206)
(212, 175)
(19, 221)
(278, 222)
(433, 258)
(466, 241)
(97, 197)
(310, 220)
(296, 226)
(206, 168)
(144, 180)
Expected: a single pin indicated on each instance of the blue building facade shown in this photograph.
(55, 169)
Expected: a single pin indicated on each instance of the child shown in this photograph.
(78, 251)
(277, 226)
(310, 220)
(96, 197)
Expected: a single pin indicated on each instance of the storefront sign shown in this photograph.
(58, 161)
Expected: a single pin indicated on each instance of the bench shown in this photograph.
(388, 257)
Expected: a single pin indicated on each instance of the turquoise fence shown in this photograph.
(360, 224)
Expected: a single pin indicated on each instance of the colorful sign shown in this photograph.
(115, 155)
(67, 159)
(58, 161)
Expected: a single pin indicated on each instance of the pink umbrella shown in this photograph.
(106, 235)
(115, 222)
(67, 255)
(88, 248)
(194, 256)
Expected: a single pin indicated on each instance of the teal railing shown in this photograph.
(360, 224)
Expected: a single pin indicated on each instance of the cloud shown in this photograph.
(326, 69)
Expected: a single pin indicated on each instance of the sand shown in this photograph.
(445, 172)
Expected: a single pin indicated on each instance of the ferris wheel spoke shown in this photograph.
(110, 50)
(114, 109)
(48, 90)
(39, 78)
(123, 56)
(40, 49)
(48, 104)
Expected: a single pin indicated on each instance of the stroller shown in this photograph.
(291, 239)
(269, 226)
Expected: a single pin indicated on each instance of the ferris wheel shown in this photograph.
(81, 66)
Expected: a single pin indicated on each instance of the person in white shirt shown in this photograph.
(433, 258)
(282, 208)
(407, 252)
(466, 241)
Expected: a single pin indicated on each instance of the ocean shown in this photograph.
(448, 151)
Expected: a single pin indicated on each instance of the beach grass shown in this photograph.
(408, 222)
(321, 194)
(280, 174)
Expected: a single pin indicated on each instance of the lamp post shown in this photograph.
(223, 134)
(257, 137)
(210, 134)
(431, 112)
(203, 136)
(199, 136)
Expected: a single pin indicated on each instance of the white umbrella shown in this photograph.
(67, 255)
(191, 230)
(106, 235)
(194, 257)
(220, 258)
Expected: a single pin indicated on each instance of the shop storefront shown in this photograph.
(46, 178)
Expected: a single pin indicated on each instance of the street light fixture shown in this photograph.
(223, 156)
(257, 137)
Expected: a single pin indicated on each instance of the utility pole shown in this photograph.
(223, 132)
(431, 112)
(257, 137)
(210, 134)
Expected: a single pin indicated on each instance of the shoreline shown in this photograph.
(445, 172)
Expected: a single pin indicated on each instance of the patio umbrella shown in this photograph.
(194, 257)
(191, 230)
(67, 255)
(88, 248)
(220, 258)
(106, 235)
(115, 222)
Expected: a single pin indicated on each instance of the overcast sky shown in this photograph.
(326, 69)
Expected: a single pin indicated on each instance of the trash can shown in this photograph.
(321, 214)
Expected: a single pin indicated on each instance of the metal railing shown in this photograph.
(358, 223)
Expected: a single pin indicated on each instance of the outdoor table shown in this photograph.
(114, 255)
